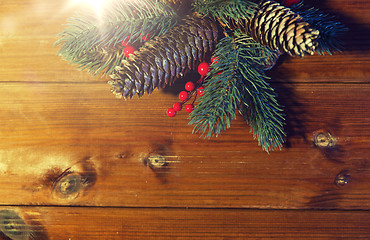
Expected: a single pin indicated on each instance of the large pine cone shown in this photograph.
(279, 28)
(164, 59)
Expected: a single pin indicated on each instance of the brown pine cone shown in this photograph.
(279, 28)
(164, 59)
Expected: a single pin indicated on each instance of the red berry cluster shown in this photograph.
(128, 49)
(191, 88)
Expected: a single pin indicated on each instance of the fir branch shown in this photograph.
(330, 29)
(100, 59)
(182, 7)
(229, 12)
(87, 37)
(217, 107)
(237, 82)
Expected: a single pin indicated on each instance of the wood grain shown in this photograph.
(59, 124)
(48, 223)
(83, 123)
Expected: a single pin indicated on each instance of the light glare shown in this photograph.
(96, 4)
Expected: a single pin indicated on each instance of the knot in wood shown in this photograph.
(13, 226)
(156, 161)
(342, 178)
(324, 140)
(69, 185)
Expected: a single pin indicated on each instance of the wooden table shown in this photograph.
(76, 163)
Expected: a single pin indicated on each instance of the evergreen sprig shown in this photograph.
(227, 12)
(330, 29)
(90, 40)
(237, 82)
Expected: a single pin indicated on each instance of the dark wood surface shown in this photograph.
(173, 223)
(142, 175)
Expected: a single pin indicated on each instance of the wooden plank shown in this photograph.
(146, 223)
(51, 130)
(37, 113)
(29, 29)
(65, 141)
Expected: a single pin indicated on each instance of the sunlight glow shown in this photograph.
(96, 4)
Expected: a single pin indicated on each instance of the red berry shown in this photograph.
(183, 95)
(129, 50)
(171, 112)
(203, 69)
(189, 86)
(214, 60)
(289, 3)
(200, 91)
(146, 37)
(177, 106)
(189, 108)
(125, 41)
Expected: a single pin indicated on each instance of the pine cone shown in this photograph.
(164, 59)
(279, 28)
